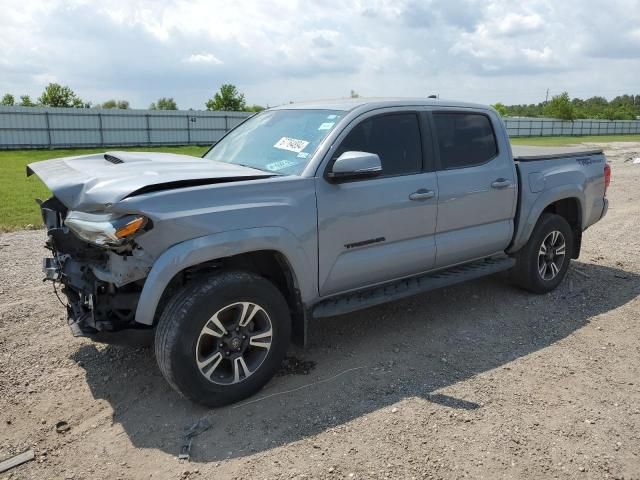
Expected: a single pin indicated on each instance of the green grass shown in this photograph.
(573, 140)
(18, 208)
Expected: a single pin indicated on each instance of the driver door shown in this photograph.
(379, 229)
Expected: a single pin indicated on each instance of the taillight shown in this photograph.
(607, 177)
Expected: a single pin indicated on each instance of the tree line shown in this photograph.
(228, 98)
(622, 107)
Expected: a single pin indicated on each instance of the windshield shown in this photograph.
(278, 141)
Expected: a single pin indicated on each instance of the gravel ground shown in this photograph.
(479, 380)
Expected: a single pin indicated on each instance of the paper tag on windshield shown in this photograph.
(326, 126)
(275, 166)
(291, 144)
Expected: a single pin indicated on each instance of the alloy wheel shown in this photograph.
(233, 343)
(551, 255)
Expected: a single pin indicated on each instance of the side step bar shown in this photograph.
(408, 287)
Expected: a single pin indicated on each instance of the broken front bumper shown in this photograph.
(100, 304)
(95, 309)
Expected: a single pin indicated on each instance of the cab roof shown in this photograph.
(348, 104)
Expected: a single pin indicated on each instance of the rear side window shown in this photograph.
(394, 137)
(464, 139)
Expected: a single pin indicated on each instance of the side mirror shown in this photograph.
(355, 165)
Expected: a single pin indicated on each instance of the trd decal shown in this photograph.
(365, 242)
(588, 160)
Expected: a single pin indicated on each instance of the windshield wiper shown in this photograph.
(257, 168)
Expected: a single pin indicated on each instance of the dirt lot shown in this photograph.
(479, 380)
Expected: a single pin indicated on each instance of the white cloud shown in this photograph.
(281, 50)
(209, 58)
(544, 56)
(517, 24)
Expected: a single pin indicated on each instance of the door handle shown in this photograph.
(422, 195)
(501, 183)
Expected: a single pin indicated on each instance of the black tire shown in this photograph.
(527, 271)
(180, 337)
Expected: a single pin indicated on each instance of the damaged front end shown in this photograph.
(101, 270)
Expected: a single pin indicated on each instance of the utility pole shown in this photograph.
(546, 99)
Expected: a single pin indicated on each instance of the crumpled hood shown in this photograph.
(89, 182)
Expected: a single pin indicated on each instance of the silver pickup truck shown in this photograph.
(304, 211)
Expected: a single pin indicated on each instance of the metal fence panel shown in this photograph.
(125, 122)
(541, 127)
(126, 137)
(157, 122)
(211, 123)
(33, 127)
(65, 121)
(72, 137)
(169, 137)
(202, 137)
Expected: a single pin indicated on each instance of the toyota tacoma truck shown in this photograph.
(302, 212)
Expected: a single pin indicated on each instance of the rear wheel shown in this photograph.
(220, 340)
(543, 262)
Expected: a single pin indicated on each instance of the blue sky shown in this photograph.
(280, 51)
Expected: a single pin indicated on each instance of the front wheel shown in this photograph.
(543, 262)
(221, 339)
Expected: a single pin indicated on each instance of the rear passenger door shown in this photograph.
(477, 187)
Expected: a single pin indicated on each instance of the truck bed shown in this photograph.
(546, 174)
(523, 153)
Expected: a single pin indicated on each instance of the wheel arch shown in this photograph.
(569, 204)
(272, 253)
(570, 209)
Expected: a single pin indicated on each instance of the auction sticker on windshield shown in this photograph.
(291, 144)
